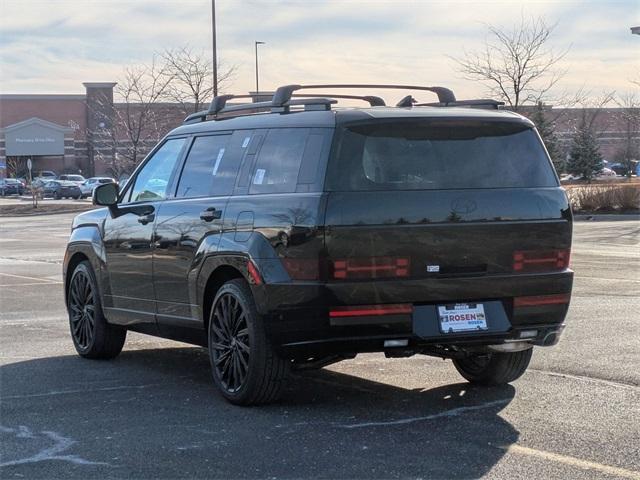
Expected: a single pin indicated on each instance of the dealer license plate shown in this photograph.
(462, 317)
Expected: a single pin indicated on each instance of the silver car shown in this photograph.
(88, 186)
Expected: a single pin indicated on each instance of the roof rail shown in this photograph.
(407, 101)
(283, 94)
(219, 106)
(478, 103)
(284, 98)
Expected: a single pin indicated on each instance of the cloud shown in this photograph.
(54, 46)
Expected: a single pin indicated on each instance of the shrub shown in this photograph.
(628, 197)
(603, 198)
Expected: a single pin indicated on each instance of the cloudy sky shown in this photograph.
(53, 46)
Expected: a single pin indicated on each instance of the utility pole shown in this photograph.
(215, 53)
(257, 87)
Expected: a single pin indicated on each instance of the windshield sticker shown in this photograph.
(258, 178)
(220, 155)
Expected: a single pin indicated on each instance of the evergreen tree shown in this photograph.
(585, 158)
(547, 132)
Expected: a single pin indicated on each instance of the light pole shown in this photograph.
(257, 87)
(215, 54)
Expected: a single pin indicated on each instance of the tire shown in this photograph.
(92, 336)
(245, 366)
(494, 368)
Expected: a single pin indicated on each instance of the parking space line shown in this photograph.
(28, 284)
(24, 276)
(68, 392)
(573, 461)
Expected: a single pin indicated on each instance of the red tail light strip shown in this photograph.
(541, 300)
(371, 310)
(540, 260)
(371, 267)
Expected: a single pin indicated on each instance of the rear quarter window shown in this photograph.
(279, 160)
(434, 155)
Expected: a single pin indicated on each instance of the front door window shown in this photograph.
(152, 182)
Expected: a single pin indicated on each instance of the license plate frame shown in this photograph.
(462, 318)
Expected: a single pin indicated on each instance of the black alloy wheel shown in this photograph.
(231, 346)
(245, 365)
(92, 336)
(82, 310)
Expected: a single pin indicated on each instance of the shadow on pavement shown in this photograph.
(156, 413)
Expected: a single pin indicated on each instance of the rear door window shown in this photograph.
(279, 160)
(208, 169)
(439, 155)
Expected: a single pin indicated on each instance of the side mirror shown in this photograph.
(106, 195)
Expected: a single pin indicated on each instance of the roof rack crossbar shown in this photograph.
(371, 99)
(283, 94)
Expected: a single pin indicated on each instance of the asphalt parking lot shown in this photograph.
(154, 413)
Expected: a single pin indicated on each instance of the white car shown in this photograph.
(77, 179)
(88, 186)
(606, 174)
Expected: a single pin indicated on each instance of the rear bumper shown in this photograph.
(298, 314)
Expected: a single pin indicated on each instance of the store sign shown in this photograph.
(34, 139)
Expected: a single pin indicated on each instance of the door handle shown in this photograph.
(210, 214)
(144, 219)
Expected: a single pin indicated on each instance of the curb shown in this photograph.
(38, 214)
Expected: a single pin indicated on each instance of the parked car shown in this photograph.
(11, 186)
(61, 189)
(88, 186)
(48, 174)
(305, 236)
(606, 174)
(77, 179)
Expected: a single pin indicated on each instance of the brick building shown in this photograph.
(84, 133)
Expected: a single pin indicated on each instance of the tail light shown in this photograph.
(370, 267)
(525, 261)
(538, 300)
(371, 310)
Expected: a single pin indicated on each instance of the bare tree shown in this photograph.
(630, 118)
(191, 78)
(140, 118)
(15, 166)
(518, 66)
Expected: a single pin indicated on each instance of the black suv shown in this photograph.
(289, 234)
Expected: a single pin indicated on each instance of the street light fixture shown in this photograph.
(257, 87)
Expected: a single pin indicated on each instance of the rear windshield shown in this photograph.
(438, 155)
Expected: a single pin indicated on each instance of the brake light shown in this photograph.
(540, 260)
(371, 267)
(371, 310)
(534, 301)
